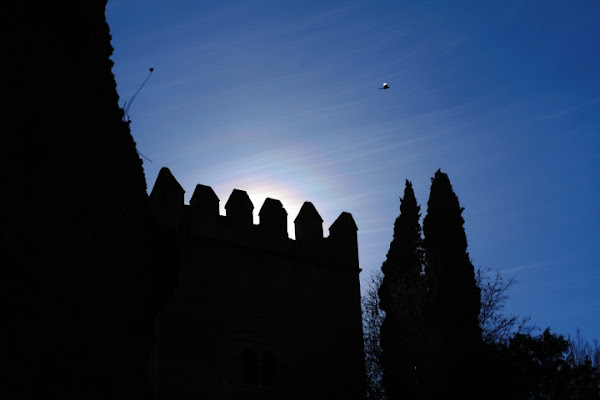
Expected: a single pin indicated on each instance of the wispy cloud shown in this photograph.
(530, 266)
(569, 109)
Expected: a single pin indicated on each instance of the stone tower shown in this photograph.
(257, 315)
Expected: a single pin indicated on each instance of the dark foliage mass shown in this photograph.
(540, 367)
(434, 328)
(399, 294)
(453, 300)
(80, 257)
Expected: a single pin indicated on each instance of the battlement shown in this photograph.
(201, 220)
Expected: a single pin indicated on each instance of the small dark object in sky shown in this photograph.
(385, 86)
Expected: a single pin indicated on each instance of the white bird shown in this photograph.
(385, 86)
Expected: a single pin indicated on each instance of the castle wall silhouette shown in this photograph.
(89, 259)
(255, 314)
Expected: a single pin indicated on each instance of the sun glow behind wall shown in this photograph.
(258, 190)
(291, 176)
(283, 102)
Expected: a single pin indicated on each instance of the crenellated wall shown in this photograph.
(86, 270)
(201, 219)
(257, 314)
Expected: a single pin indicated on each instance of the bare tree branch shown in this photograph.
(496, 326)
(372, 319)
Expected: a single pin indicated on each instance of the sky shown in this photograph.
(281, 99)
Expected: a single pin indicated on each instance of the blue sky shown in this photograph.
(280, 98)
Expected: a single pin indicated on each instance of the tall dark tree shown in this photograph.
(400, 299)
(453, 298)
(83, 267)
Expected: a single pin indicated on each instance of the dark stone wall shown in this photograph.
(233, 297)
(80, 259)
(255, 314)
(84, 269)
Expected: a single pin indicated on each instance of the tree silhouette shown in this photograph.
(434, 329)
(540, 367)
(453, 298)
(372, 319)
(84, 269)
(580, 350)
(400, 296)
(497, 327)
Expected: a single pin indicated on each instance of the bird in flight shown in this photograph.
(385, 86)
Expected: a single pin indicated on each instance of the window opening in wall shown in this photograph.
(259, 369)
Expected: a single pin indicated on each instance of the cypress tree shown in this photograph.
(400, 299)
(453, 298)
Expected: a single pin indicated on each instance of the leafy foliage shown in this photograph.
(539, 367)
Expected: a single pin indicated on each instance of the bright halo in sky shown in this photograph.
(259, 189)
